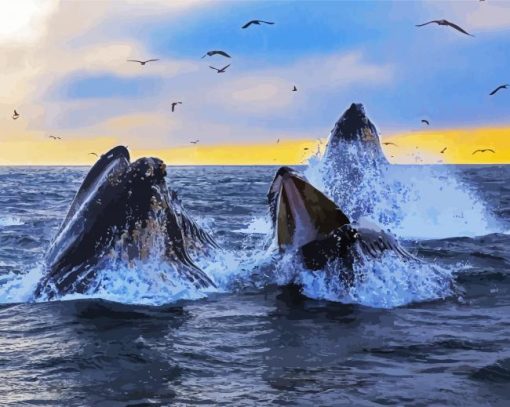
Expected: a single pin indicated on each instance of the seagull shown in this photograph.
(426, 122)
(55, 137)
(194, 142)
(93, 154)
(175, 104)
(483, 150)
(222, 70)
(256, 22)
(294, 89)
(15, 115)
(447, 23)
(443, 150)
(216, 52)
(142, 62)
(388, 143)
(505, 86)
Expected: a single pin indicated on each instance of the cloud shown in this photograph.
(474, 16)
(269, 90)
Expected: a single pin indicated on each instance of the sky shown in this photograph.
(65, 70)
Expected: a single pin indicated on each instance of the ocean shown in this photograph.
(438, 334)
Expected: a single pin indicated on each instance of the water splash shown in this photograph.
(20, 287)
(412, 201)
(384, 283)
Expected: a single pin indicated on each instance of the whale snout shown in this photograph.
(149, 169)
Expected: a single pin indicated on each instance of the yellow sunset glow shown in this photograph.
(411, 148)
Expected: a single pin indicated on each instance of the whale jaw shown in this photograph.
(300, 212)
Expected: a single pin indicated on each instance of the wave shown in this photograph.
(10, 221)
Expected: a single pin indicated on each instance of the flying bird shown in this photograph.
(216, 52)
(447, 23)
(426, 122)
(194, 142)
(222, 70)
(93, 154)
(256, 22)
(55, 137)
(483, 150)
(443, 150)
(388, 143)
(294, 89)
(175, 104)
(15, 115)
(142, 62)
(505, 86)
(278, 141)
(306, 148)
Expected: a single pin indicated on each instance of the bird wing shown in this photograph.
(498, 88)
(491, 150)
(455, 26)
(249, 23)
(223, 53)
(430, 22)
(135, 60)
(212, 67)
(225, 67)
(266, 22)
(476, 151)
(151, 60)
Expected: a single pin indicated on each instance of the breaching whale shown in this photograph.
(122, 211)
(307, 221)
(355, 131)
(354, 168)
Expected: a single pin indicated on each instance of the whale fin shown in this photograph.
(375, 241)
(341, 243)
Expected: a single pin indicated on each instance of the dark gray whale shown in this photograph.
(354, 130)
(307, 221)
(121, 211)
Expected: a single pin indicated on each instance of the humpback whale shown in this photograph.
(354, 169)
(354, 130)
(122, 211)
(307, 221)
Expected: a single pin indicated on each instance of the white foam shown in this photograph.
(413, 201)
(259, 225)
(10, 221)
(19, 287)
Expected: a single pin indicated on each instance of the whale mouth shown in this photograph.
(125, 212)
(300, 212)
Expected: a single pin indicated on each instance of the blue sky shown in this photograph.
(335, 52)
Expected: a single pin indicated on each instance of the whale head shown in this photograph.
(300, 212)
(122, 212)
(354, 131)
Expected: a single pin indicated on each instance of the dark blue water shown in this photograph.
(401, 340)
